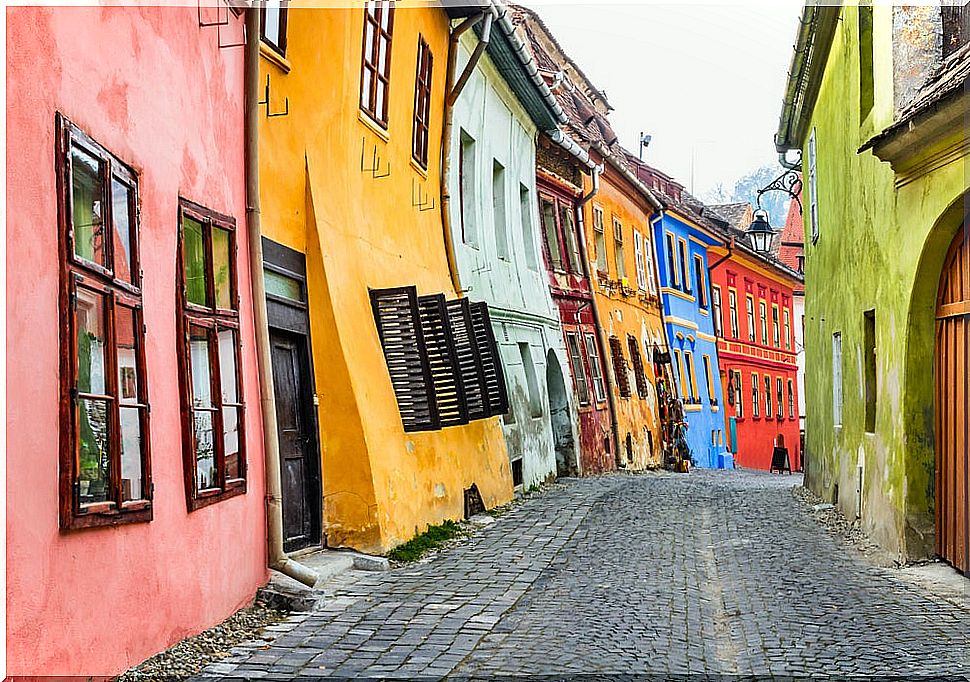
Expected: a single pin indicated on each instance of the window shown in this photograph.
(691, 376)
(619, 367)
(768, 412)
(749, 302)
(272, 24)
(105, 477)
(738, 396)
(682, 260)
(763, 308)
(779, 397)
(568, 226)
(618, 249)
(865, 61)
(649, 264)
(775, 331)
(791, 400)
(733, 309)
(213, 442)
(681, 376)
(716, 304)
(467, 188)
(638, 257)
(837, 378)
(638, 373)
(375, 76)
(422, 104)
(672, 277)
(600, 240)
(869, 363)
(532, 382)
(498, 211)
(525, 213)
(710, 380)
(701, 281)
(595, 369)
(551, 233)
(787, 330)
(579, 373)
(755, 397)
(813, 187)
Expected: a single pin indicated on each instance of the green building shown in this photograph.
(876, 104)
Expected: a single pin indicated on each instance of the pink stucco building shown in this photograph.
(135, 511)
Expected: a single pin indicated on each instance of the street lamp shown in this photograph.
(760, 232)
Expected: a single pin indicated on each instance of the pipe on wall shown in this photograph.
(276, 557)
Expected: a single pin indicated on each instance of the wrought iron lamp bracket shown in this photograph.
(789, 182)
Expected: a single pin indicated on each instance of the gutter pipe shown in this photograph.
(276, 557)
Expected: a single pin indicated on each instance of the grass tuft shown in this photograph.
(433, 538)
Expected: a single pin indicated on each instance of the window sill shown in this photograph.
(373, 125)
(233, 489)
(137, 512)
(275, 57)
(419, 169)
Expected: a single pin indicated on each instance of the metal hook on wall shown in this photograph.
(375, 163)
(286, 102)
(219, 23)
(421, 204)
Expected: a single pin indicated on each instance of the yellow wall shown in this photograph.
(380, 485)
(627, 315)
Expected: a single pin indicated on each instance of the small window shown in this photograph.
(768, 412)
(502, 247)
(551, 233)
(763, 307)
(638, 257)
(865, 61)
(755, 397)
(787, 330)
(681, 375)
(568, 226)
(837, 378)
(525, 218)
(701, 282)
(708, 374)
(600, 240)
(618, 249)
(280, 285)
(780, 397)
(733, 309)
(422, 104)
(213, 438)
(716, 304)
(619, 367)
(869, 361)
(775, 330)
(638, 371)
(649, 264)
(104, 467)
(749, 303)
(375, 79)
(738, 396)
(691, 376)
(532, 382)
(595, 369)
(273, 24)
(672, 273)
(682, 260)
(791, 399)
(579, 372)
(468, 195)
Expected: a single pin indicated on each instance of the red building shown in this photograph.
(752, 297)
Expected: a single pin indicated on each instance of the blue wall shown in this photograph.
(690, 330)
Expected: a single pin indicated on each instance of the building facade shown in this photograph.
(138, 517)
(881, 104)
(791, 252)
(391, 439)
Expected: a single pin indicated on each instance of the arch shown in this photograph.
(918, 388)
(560, 418)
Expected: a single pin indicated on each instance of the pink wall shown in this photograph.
(154, 88)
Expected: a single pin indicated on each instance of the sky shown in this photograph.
(706, 81)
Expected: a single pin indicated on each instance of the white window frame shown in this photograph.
(638, 255)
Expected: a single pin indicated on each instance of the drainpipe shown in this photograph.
(451, 96)
(730, 249)
(277, 558)
(597, 324)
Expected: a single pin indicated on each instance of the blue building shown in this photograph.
(682, 236)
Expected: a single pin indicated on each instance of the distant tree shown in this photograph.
(719, 194)
(776, 203)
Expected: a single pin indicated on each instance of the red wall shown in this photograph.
(756, 435)
(155, 89)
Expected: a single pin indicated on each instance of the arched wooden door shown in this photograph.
(952, 430)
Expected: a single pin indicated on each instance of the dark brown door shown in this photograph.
(952, 438)
(294, 417)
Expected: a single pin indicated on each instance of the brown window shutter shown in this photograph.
(619, 367)
(442, 360)
(470, 371)
(638, 373)
(398, 324)
(495, 390)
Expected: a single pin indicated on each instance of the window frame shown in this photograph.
(639, 373)
(763, 316)
(755, 396)
(599, 240)
(421, 120)
(700, 281)
(281, 47)
(619, 257)
(620, 372)
(595, 368)
(691, 376)
(787, 323)
(717, 311)
(791, 399)
(575, 353)
(214, 319)
(738, 395)
(733, 313)
(752, 321)
(682, 250)
(375, 22)
(780, 398)
(768, 390)
(101, 279)
(673, 272)
(775, 326)
(640, 263)
(709, 375)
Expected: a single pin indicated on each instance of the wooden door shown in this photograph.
(952, 441)
(301, 501)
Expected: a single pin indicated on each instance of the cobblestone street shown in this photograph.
(715, 572)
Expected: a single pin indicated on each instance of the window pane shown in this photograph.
(221, 270)
(90, 342)
(281, 285)
(552, 236)
(271, 22)
(365, 88)
(131, 465)
(230, 428)
(572, 249)
(227, 366)
(201, 375)
(87, 214)
(125, 322)
(94, 457)
(193, 257)
(121, 214)
(205, 454)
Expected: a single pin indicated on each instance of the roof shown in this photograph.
(792, 237)
(735, 213)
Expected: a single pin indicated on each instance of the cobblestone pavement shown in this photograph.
(625, 575)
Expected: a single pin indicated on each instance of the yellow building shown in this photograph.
(349, 171)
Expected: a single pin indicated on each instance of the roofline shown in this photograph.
(813, 40)
(742, 248)
(630, 177)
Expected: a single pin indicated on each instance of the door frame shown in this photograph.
(293, 318)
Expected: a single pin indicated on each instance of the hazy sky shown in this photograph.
(703, 80)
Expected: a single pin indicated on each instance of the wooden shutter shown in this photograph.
(619, 367)
(397, 319)
(442, 360)
(470, 371)
(638, 373)
(496, 394)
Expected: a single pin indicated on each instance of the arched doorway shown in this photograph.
(562, 429)
(952, 428)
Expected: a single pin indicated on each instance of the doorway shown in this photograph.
(952, 437)
(562, 429)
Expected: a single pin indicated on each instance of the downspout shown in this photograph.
(276, 557)
(597, 323)
(451, 96)
(730, 248)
